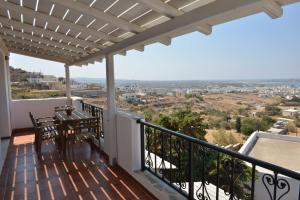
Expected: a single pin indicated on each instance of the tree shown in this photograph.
(272, 110)
(61, 79)
(249, 125)
(241, 178)
(185, 121)
(149, 114)
(292, 127)
(238, 124)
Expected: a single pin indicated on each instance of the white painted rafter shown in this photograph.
(18, 49)
(161, 7)
(40, 52)
(140, 48)
(272, 8)
(166, 41)
(118, 22)
(42, 40)
(56, 20)
(204, 28)
(26, 42)
(49, 33)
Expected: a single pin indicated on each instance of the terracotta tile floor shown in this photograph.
(86, 177)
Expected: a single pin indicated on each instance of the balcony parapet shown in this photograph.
(41, 107)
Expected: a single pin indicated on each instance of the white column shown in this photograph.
(111, 135)
(9, 88)
(68, 85)
(5, 125)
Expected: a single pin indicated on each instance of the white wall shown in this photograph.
(129, 157)
(39, 107)
(128, 142)
(262, 193)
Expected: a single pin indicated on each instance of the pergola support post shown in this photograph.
(9, 88)
(111, 136)
(68, 85)
(5, 122)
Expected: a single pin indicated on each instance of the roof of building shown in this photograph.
(281, 150)
(292, 110)
(79, 32)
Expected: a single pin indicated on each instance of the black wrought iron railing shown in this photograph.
(199, 170)
(96, 112)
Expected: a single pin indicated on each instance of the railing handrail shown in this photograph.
(243, 157)
(82, 101)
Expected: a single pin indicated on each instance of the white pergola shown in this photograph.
(82, 32)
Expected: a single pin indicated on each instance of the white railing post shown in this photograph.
(111, 135)
(68, 85)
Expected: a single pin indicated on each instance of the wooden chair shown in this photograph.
(59, 108)
(45, 129)
(84, 130)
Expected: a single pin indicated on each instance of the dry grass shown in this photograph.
(210, 136)
(232, 102)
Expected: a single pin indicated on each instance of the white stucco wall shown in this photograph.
(128, 142)
(39, 107)
(129, 157)
(262, 193)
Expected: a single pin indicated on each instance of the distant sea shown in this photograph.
(195, 83)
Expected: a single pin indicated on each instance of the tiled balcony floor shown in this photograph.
(86, 177)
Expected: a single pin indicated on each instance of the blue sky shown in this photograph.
(254, 47)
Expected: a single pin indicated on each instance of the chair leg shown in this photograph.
(73, 144)
(39, 149)
(57, 143)
(63, 141)
(36, 139)
(99, 144)
(91, 144)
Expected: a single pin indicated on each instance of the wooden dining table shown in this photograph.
(76, 115)
(67, 120)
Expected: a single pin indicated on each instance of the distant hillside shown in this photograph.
(20, 75)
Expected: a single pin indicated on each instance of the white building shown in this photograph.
(291, 112)
(280, 150)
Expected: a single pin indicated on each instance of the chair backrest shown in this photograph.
(59, 108)
(87, 123)
(93, 124)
